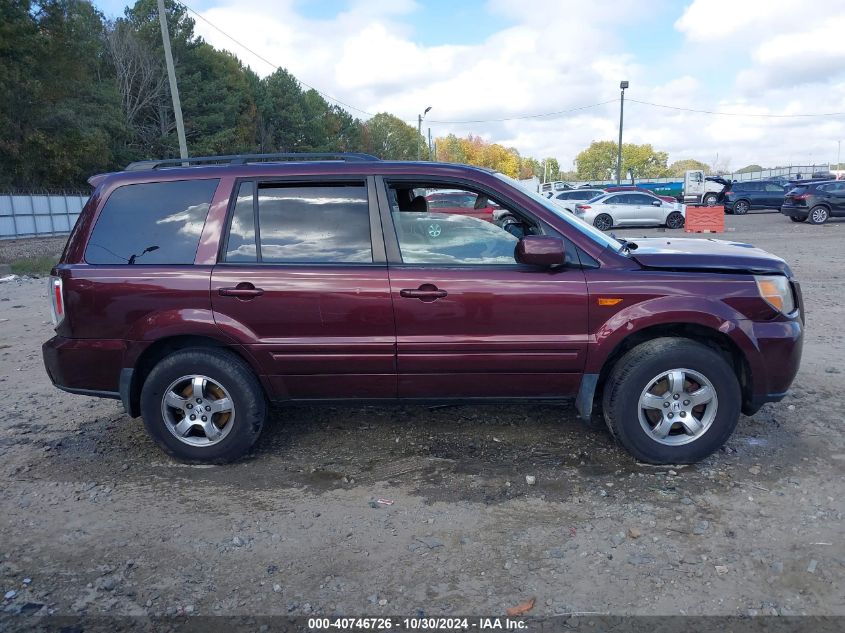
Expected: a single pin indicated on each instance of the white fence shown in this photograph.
(31, 215)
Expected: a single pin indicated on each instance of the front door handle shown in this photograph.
(426, 292)
(243, 290)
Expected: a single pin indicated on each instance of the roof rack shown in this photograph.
(242, 159)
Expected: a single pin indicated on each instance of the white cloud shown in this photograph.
(753, 57)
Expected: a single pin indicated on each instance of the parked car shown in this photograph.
(668, 199)
(460, 202)
(198, 294)
(631, 209)
(815, 202)
(568, 199)
(741, 197)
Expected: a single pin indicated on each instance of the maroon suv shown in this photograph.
(197, 294)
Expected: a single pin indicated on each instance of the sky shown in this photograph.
(476, 62)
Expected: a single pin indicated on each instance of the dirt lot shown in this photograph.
(95, 520)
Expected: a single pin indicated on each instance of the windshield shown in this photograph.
(578, 224)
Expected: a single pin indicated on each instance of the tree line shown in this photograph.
(81, 94)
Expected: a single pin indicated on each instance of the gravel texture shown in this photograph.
(492, 505)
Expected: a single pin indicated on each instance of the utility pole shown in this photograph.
(171, 75)
(622, 86)
(420, 118)
(838, 154)
(430, 154)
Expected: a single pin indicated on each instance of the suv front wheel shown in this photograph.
(203, 405)
(672, 401)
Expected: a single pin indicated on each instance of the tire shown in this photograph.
(224, 379)
(794, 219)
(675, 220)
(603, 222)
(741, 207)
(818, 214)
(628, 385)
(710, 200)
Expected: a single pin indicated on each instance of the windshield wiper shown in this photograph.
(626, 244)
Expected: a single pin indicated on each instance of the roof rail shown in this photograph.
(242, 159)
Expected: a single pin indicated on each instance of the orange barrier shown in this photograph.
(705, 220)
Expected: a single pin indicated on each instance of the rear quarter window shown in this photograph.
(151, 223)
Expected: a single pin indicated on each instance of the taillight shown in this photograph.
(800, 196)
(57, 301)
(582, 207)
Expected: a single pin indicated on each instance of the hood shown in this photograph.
(709, 254)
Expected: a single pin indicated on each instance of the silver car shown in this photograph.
(630, 209)
(568, 199)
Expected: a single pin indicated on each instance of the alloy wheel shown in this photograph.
(603, 222)
(677, 407)
(197, 410)
(675, 220)
(818, 215)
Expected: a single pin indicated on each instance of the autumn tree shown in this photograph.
(598, 161)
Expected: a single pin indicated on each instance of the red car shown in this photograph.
(462, 202)
(641, 190)
(197, 294)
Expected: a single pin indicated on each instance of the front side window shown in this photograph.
(300, 223)
(485, 232)
(151, 223)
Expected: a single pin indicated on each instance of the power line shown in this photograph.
(525, 116)
(745, 114)
(275, 66)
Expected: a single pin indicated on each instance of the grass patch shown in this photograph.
(40, 265)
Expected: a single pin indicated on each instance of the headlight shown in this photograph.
(776, 291)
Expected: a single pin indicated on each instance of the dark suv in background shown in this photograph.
(198, 294)
(815, 202)
(741, 197)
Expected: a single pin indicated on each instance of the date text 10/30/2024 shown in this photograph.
(417, 624)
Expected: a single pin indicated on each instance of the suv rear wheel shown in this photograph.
(203, 405)
(672, 401)
(741, 207)
(818, 215)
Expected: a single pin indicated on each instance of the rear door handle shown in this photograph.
(243, 290)
(426, 292)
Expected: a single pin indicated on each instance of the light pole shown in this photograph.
(420, 118)
(838, 154)
(622, 86)
(171, 76)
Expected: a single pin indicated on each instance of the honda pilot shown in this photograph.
(198, 291)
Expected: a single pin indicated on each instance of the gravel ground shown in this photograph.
(10, 250)
(95, 520)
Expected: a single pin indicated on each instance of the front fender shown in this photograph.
(666, 311)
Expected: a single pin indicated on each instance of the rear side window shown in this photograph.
(301, 223)
(151, 223)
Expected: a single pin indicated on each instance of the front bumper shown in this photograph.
(777, 359)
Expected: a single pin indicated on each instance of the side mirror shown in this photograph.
(541, 250)
(657, 203)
